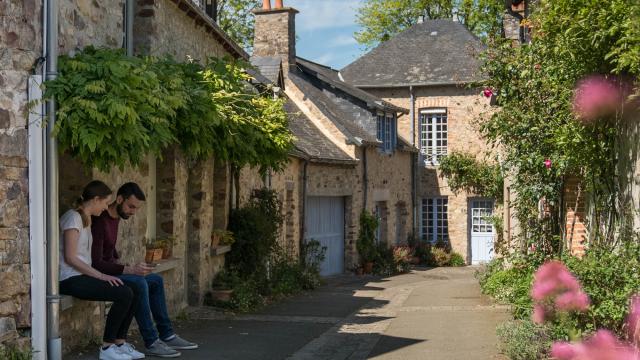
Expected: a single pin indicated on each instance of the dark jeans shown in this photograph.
(124, 299)
(152, 303)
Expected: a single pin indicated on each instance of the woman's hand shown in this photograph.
(112, 280)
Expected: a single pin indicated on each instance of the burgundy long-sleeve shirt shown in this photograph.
(104, 256)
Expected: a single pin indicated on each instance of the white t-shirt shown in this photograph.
(72, 220)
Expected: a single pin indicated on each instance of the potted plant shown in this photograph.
(153, 253)
(222, 289)
(221, 237)
(167, 247)
(366, 240)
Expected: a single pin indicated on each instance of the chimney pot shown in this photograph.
(279, 4)
(266, 4)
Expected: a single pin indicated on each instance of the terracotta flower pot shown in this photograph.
(221, 295)
(215, 240)
(167, 251)
(368, 267)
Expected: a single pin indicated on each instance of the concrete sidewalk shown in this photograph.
(428, 314)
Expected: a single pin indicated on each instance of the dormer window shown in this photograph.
(387, 132)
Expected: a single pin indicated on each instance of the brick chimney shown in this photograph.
(275, 33)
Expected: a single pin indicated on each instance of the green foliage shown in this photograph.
(509, 285)
(464, 172)
(13, 353)
(236, 18)
(610, 278)
(534, 91)
(382, 19)
(256, 228)
(456, 260)
(441, 257)
(114, 109)
(523, 340)
(367, 237)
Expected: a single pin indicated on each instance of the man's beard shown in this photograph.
(121, 212)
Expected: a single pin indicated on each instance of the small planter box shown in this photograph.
(153, 255)
(221, 295)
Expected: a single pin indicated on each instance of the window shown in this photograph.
(433, 135)
(386, 132)
(481, 210)
(435, 222)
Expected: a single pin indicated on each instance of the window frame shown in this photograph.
(435, 227)
(387, 131)
(434, 128)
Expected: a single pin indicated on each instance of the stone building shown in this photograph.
(428, 69)
(359, 126)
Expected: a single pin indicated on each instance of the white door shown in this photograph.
(482, 233)
(325, 223)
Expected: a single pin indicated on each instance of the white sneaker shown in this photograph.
(113, 352)
(130, 350)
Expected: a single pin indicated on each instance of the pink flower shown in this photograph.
(633, 320)
(547, 163)
(487, 92)
(572, 301)
(539, 314)
(602, 346)
(597, 97)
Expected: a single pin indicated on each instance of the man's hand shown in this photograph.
(139, 269)
(112, 280)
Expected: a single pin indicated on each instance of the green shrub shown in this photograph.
(402, 259)
(366, 237)
(312, 254)
(423, 252)
(256, 227)
(609, 278)
(441, 257)
(8, 352)
(457, 260)
(523, 340)
(508, 286)
(383, 263)
(246, 296)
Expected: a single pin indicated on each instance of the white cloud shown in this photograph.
(324, 59)
(321, 14)
(342, 40)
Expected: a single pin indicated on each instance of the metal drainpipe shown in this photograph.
(128, 27)
(365, 178)
(303, 207)
(414, 162)
(54, 343)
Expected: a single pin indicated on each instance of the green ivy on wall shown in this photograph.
(464, 172)
(114, 110)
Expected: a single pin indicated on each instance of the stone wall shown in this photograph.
(90, 22)
(20, 46)
(163, 28)
(465, 107)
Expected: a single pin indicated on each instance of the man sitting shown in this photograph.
(162, 342)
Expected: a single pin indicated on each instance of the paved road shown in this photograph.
(434, 314)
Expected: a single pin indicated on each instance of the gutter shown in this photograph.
(365, 178)
(414, 161)
(303, 207)
(404, 85)
(54, 342)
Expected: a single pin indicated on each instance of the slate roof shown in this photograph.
(436, 52)
(342, 119)
(332, 77)
(270, 67)
(310, 143)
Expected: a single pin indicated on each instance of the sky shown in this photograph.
(325, 31)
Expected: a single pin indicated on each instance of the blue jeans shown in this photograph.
(152, 303)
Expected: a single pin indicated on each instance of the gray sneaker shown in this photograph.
(160, 349)
(179, 343)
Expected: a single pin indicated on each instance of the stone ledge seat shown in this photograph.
(66, 301)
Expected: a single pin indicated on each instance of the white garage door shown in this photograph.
(325, 223)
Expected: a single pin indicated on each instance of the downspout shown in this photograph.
(54, 343)
(414, 162)
(365, 178)
(303, 207)
(37, 209)
(128, 27)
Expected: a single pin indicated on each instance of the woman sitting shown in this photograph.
(80, 280)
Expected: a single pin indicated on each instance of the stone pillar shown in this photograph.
(275, 35)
